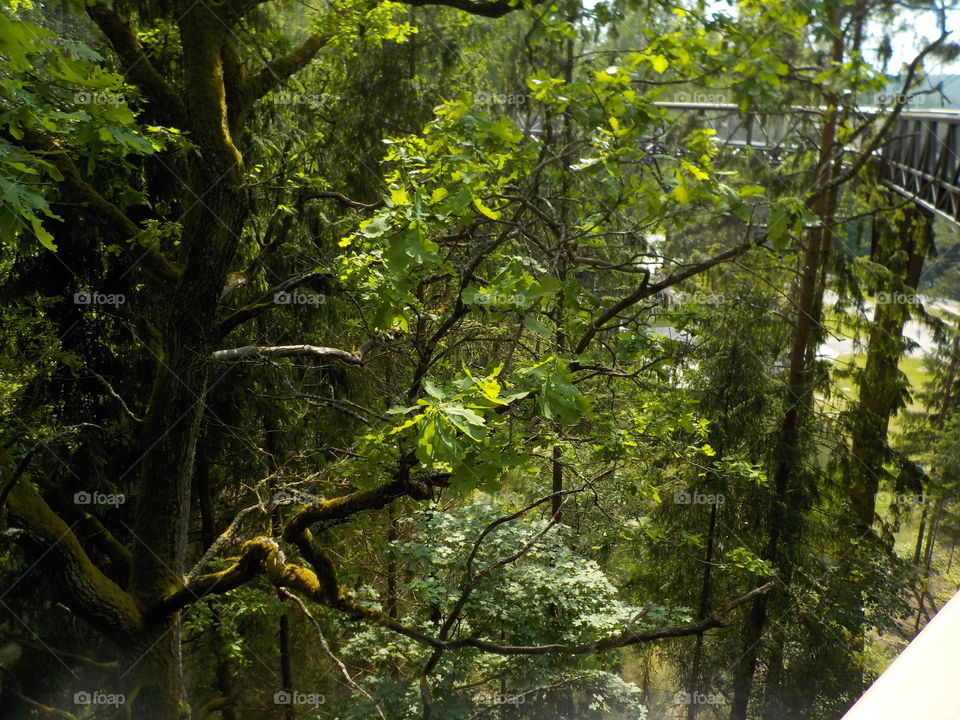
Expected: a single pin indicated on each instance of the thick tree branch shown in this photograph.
(283, 67)
(263, 556)
(116, 551)
(46, 649)
(225, 537)
(92, 594)
(337, 509)
(257, 556)
(137, 68)
(263, 303)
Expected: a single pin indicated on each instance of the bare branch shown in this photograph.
(646, 290)
(116, 396)
(326, 648)
(265, 302)
(883, 133)
(340, 198)
(717, 619)
(258, 352)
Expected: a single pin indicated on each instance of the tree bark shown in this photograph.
(783, 515)
(693, 686)
(879, 394)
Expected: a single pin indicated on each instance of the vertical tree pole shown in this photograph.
(783, 516)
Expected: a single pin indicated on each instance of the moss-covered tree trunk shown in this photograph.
(212, 226)
(879, 391)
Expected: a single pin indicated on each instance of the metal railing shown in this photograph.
(919, 160)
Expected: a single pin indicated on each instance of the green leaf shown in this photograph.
(433, 390)
(492, 214)
(778, 224)
(658, 63)
(45, 238)
(532, 323)
(376, 227)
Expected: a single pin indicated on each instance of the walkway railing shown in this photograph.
(918, 161)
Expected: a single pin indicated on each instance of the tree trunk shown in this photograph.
(693, 686)
(879, 393)
(211, 230)
(783, 511)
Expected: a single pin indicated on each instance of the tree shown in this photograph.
(181, 220)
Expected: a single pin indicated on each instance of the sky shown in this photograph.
(921, 29)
